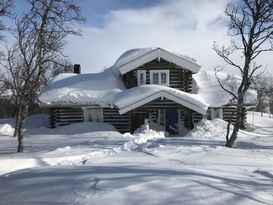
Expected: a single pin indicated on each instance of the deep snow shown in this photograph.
(91, 163)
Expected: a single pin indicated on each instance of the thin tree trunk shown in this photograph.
(237, 124)
(17, 120)
(228, 127)
(23, 116)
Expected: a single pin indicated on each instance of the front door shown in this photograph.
(171, 121)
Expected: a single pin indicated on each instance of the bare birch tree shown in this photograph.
(251, 29)
(40, 37)
(5, 6)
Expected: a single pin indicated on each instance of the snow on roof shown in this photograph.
(106, 90)
(210, 90)
(134, 58)
(135, 97)
(82, 89)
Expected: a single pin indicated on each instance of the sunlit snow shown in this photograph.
(91, 163)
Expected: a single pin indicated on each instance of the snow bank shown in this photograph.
(140, 137)
(209, 129)
(6, 129)
(210, 90)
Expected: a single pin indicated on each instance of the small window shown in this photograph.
(160, 77)
(218, 113)
(141, 77)
(214, 113)
(155, 78)
(163, 78)
(93, 115)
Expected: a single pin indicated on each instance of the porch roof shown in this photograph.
(138, 96)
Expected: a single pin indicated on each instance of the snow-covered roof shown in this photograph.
(82, 89)
(135, 97)
(134, 58)
(106, 90)
(210, 90)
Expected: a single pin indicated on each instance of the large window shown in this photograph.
(160, 77)
(141, 77)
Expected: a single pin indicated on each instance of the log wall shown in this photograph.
(120, 122)
(179, 78)
(230, 112)
(65, 116)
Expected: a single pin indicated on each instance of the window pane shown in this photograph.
(163, 78)
(155, 78)
(141, 79)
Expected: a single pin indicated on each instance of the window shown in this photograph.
(93, 115)
(218, 113)
(160, 77)
(163, 78)
(141, 77)
(155, 78)
(214, 113)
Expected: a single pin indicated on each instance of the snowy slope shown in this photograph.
(91, 163)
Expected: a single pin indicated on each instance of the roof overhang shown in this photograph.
(158, 54)
(185, 102)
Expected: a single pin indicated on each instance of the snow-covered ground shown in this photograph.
(91, 163)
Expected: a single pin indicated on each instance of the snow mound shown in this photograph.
(141, 140)
(209, 129)
(6, 129)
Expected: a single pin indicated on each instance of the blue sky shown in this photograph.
(95, 11)
(188, 27)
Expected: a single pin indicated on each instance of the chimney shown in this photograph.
(77, 68)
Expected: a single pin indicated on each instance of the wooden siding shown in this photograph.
(229, 112)
(120, 122)
(179, 78)
(65, 116)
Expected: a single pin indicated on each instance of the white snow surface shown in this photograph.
(134, 95)
(83, 89)
(210, 90)
(91, 163)
(136, 53)
(131, 55)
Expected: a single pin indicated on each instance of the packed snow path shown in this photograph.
(91, 163)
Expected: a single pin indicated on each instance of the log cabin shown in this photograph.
(164, 87)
